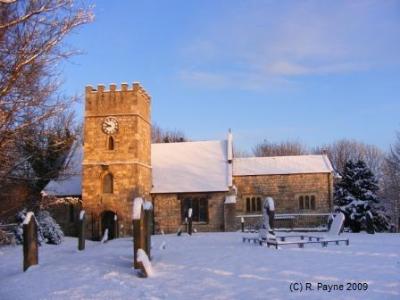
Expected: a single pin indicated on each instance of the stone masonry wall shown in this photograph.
(167, 212)
(285, 190)
(129, 161)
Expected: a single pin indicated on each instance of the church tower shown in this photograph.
(116, 162)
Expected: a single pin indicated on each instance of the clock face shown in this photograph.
(110, 125)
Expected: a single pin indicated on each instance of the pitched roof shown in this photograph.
(176, 168)
(69, 182)
(190, 167)
(194, 167)
(279, 165)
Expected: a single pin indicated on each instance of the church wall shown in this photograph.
(286, 190)
(65, 210)
(167, 212)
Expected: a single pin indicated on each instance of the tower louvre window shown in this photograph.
(108, 184)
(110, 143)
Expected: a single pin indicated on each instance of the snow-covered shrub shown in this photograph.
(48, 229)
(4, 238)
(355, 196)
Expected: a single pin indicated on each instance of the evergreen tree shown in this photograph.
(356, 195)
(48, 230)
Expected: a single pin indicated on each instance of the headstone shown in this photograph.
(330, 220)
(30, 247)
(267, 226)
(147, 230)
(179, 232)
(138, 230)
(190, 224)
(271, 213)
(115, 229)
(370, 223)
(105, 236)
(242, 223)
(81, 231)
(143, 259)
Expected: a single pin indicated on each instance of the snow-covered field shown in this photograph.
(205, 266)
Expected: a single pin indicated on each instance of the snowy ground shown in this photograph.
(205, 266)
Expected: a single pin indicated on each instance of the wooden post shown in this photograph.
(190, 224)
(30, 241)
(81, 231)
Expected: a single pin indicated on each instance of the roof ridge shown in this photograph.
(191, 142)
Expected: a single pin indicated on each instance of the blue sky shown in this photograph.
(311, 71)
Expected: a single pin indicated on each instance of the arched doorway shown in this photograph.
(109, 221)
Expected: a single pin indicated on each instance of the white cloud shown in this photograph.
(277, 43)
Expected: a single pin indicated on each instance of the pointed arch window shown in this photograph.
(108, 184)
(110, 143)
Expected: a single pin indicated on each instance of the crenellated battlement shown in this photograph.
(136, 87)
(126, 99)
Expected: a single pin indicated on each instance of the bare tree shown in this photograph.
(31, 47)
(46, 148)
(340, 152)
(391, 181)
(267, 148)
(159, 135)
(240, 153)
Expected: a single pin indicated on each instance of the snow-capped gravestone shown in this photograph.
(267, 227)
(147, 220)
(81, 231)
(30, 241)
(104, 239)
(190, 221)
(145, 262)
(115, 228)
(141, 216)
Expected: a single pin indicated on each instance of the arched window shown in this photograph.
(108, 184)
(110, 144)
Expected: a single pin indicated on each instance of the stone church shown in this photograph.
(117, 162)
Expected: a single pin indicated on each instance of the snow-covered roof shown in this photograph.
(194, 167)
(279, 165)
(190, 167)
(69, 182)
(177, 168)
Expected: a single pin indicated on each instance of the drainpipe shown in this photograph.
(230, 157)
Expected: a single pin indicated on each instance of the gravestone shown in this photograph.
(369, 218)
(138, 231)
(147, 228)
(30, 247)
(190, 222)
(115, 229)
(81, 231)
(267, 227)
